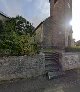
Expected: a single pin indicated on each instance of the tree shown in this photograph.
(1, 29)
(17, 37)
(23, 26)
(1, 26)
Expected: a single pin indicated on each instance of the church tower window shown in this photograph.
(55, 1)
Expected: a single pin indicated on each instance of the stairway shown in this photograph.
(52, 65)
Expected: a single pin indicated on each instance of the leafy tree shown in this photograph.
(23, 26)
(1, 26)
(17, 37)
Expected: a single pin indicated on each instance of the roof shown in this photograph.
(1, 13)
(38, 26)
(41, 23)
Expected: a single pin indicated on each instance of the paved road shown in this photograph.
(70, 82)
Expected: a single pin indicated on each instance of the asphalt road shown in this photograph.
(70, 82)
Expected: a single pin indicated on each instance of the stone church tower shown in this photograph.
(56, 31)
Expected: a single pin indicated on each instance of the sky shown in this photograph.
(76, 19)
(33, 10)
(37, 10)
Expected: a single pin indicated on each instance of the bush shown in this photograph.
(18, 45)
(72, 49)
(14, 43)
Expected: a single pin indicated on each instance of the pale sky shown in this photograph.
(37, 10)
(33, 10)
(76, 19)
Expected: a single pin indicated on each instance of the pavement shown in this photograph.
(70, 82)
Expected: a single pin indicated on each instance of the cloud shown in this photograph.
(14, 7)
(37, 11)
(42, 9)
(29, 0)
(26, 8)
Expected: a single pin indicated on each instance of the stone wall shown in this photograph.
(3, 18)
(55, 30)
(70, 61)
(21, 67)
(39, 34)
(61, 13)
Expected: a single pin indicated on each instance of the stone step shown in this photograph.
(51, 52)
(50, 62)
(51, 68)
(51, 55)
(52, 59)
(55, 61)
(55, 74)
(52, 65)
(51, 71)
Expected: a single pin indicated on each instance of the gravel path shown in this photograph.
(70, 82)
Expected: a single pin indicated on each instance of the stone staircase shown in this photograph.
(52, 65)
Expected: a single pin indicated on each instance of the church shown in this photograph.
(56, 31)
(3, 17)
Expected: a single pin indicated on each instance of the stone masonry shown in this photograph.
(70, 61)
(3, 17)
(56, 31)
(21, 67)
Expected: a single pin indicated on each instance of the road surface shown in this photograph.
(70, 82)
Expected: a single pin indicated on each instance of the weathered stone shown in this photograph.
(70, 61)
(55, 31)
(21, 66)
(3, 17)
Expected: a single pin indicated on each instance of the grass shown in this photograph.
(72, 49)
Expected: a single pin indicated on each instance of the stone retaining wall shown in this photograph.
(70, 61)
(21, 67)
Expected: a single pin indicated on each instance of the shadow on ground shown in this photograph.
(70, 82)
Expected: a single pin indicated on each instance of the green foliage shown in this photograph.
(17, 39)
(26, 44)
(1, 26)
(1, 29)
(10, 25)
(23, 26)
(73, 49)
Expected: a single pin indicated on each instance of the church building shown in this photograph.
(56, 31)
(3, 17)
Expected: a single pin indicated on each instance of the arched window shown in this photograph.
(55, 1)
